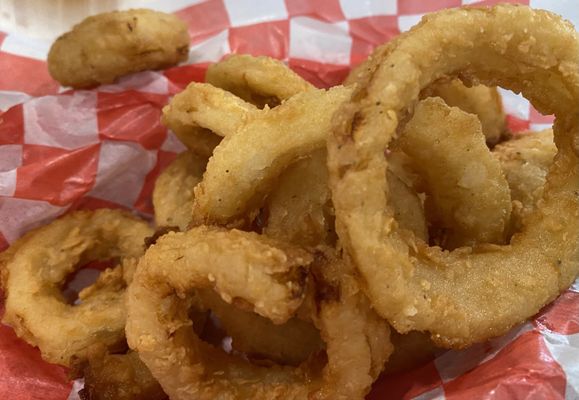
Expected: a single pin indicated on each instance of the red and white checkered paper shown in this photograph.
(63, 150)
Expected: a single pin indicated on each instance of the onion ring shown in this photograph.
(39, 262)
(357, 340)
(467, 191)
(258, 80)
(247, 161)
(107, 46)
(201, 114)
(470, 294)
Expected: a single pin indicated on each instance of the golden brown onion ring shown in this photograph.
(159, 329)
(245, 163)
(470, 294)
(258, 80)
(201, 114)
(173, 193)
(467, 192)
(37, 267)
(106, 46)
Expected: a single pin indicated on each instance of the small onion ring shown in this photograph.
(470, 294)
(201, 114)
(258, 80)
(36, 265)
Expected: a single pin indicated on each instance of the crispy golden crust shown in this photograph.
(357, 340)
(107, 46)
(470, 294)
(299, 207)
(202, 114)
(38, 266)
(260, 339)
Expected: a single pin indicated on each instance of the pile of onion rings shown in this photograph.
(310, 240)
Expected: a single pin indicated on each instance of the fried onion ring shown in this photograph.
(38, 264)
(258, 80)
(159, 329)
(470, 294)
(299, 207)
(107, 46)
(246, 162)
(201, 114)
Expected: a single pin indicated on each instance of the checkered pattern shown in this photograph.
(63, 150)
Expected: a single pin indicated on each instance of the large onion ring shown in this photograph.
(469, 294)
(35, 267)
(159, 329)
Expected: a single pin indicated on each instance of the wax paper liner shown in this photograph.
(62, 150)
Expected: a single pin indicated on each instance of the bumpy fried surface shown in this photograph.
(106, 46)
(204, 113)
(38, 265)
(526, 160)
(468, 198)
(357, 340)
(173, 193)
(470, 294)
